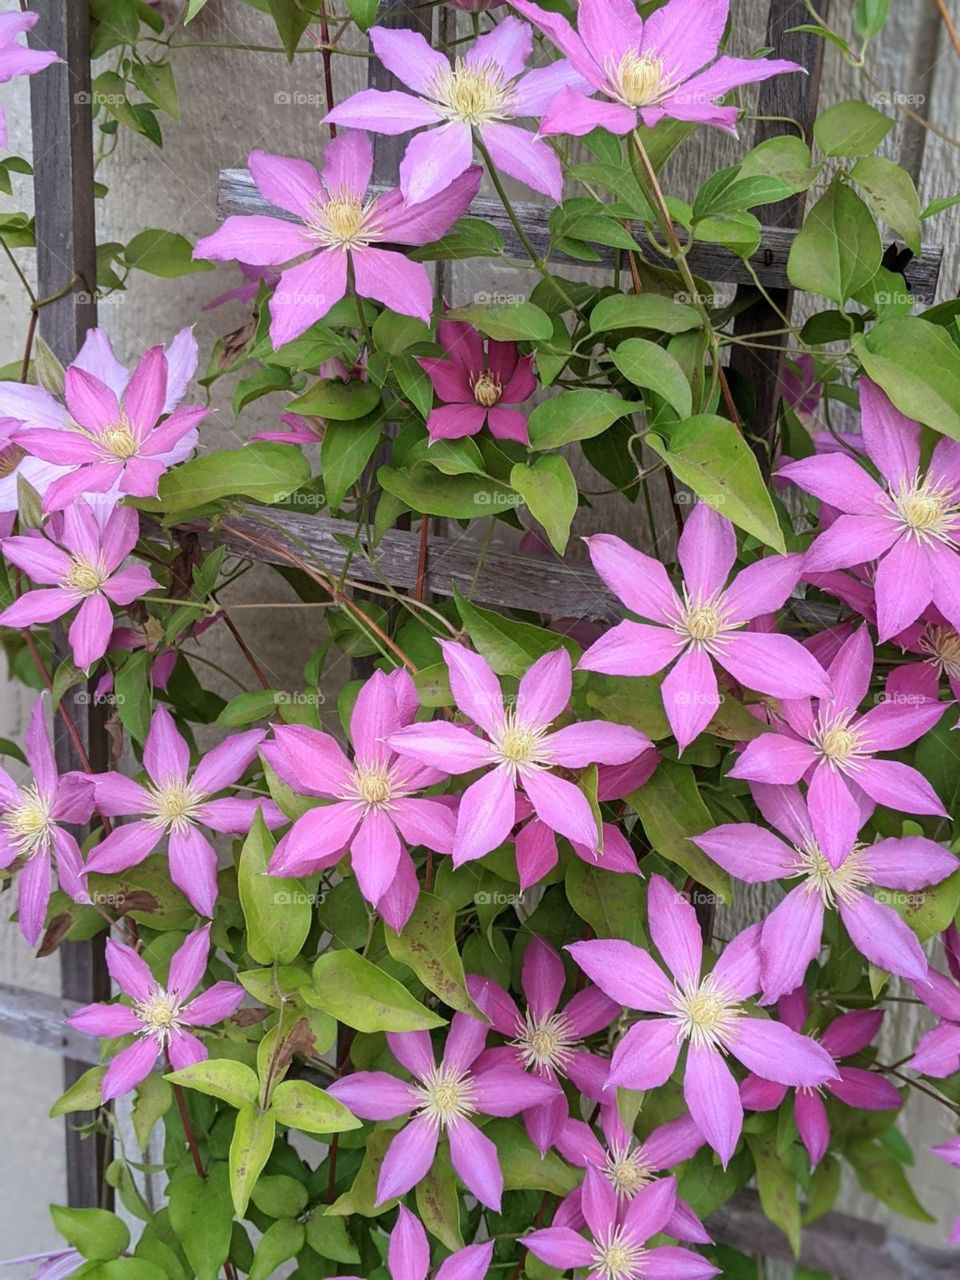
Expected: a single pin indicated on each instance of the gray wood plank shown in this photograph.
(40, 1019)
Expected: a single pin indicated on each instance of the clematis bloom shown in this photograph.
(177, 804)
(705, 1011)
(646, 71)
(408, 1254)
(938, 1053)
(484, 89)
(442, 1100)
(340, 228)
(704, 626)
(158, 1015)
(31, 832)
(521, 749)
(476, 388)
(16, 59)
(78, 563)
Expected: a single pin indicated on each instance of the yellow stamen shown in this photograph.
(84, 576)
(474, 94)
(487, 390)
(638, 79)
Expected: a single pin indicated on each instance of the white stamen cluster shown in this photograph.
(473, 93)
(833, 885)
(343, 221)
(446, 1096)
(520, 746)
(618, 1257)
(546, 1044)
(926, 511)
(706, 1014)
(174, 806)
(29, 824)
(839, 742)
(627, 1170)
(159, 1014)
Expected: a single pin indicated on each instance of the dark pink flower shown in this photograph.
(475, 388)
(158, 1015)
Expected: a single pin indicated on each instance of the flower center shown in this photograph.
(447, 1095)
(343, 221)
(487, 389)
(29, 824)
(119, 440)
(545, 1044)
(926, 511)
(174, 806)
(705, 622)
(84, 576)
(833, 884)
(473, 94)
(159, 1013)
(627, 1170)
(839, 742)
(707, 1014)
(618, 1257)
(942, 644)
(519, 745)
(639, 79)
(373, 785)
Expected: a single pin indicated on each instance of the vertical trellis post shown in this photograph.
(66, 274)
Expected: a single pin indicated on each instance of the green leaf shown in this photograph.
(328, 1236)
(837, 250)
(918, 365)
(786, 157)
(163, 253)
(524, 1168)
(468, 238)
(871, 17)
(643, 311)
(575, 415)
(232, 1082)
(550, 492)
(278, 920)
(711, 456)
(346, 450)
(155, 80)
(201, 1214)
(95, 1233)
(510, 647)
(303, 1106)
(648, 365)
(777, 1185)
(250, 1150)
(438, 1203)
(291, 19)
(881, 1175)
(262, 471)
(727, 192)
(245, 708)
(336, 399)
(428, 946)
(359, 994)
(671, 810)
(891, 195)
(611, 903)
(851, 128)
(508, 322)
(459, 497)
(154, 1099)
(281, 1241)
(362, 1196)
(132, 694)
(927, 911)
(83, 1095)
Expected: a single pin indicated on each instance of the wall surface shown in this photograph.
(234, 101)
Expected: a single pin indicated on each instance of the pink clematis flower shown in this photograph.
(335, 223)
(17, 466)
(646, 71)
(856, 1086)
(938, 1053)
(79, 564)
(176, 804)
(546, 1039)
(834, 749)
(443, 1099)
(950, 1152)
(706, 1011)
(16, 59)
(617, 1245)
(790, 935)
(704, 626)
(482, 90)
(475, 388)
(629, 1165)
(521, 749)
(375, 812)
(158, 1014)
(909, 524)
(31, 832)
(408, 1255)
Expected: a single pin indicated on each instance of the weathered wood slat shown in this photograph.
(40, 1019)
(237, 194)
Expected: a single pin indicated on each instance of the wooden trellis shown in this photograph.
(842, 1246)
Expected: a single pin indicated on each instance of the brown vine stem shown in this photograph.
(951, 26)
(244, 648)
(422, 558)
(327, 63)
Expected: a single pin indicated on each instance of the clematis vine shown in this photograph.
(157, 1015)
(521, 749)
(339, 227)
(707, 1012)
(442, 1099)
(856, 1086)
(705, 625)
(375, 812)
(481, 91)
(408, 1254)
(477, 389)
(80, 564)
(546, 1039)
(176, 803)
(33, 837)
(645, 71)
(616, 1248)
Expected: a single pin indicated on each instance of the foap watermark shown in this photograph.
(298, 897)
(297, 98)
(694, 299)
(695, 698)
(102, 299)
(312, 500)
(886, 98)
(899, 699)
(299, 698)
(86, 698)
(92, 98)
(497, 899)
(684, 498)
(491, 498)
(484, 299)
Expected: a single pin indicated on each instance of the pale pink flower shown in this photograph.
(408, 1255)
(16, 59)
(938, 1053)
(157, 1015)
